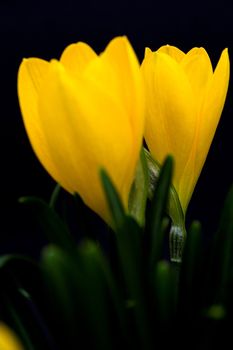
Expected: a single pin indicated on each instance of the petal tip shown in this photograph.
(148, 52)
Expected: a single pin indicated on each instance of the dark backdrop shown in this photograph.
(44, 28)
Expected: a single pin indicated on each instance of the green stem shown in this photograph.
(20, 327)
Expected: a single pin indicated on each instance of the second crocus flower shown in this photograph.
(184, 99)
(85, 112)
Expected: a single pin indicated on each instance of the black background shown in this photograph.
(44, 28)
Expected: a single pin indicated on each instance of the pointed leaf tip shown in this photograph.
(114, 202)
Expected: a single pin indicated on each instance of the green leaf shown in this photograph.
(157, 211)
(18, 270)
(10, 280)
(225, 236)
(173, 210)
(165, 291)
(52, 226)
(114, 202)
(20, 287)
(54, 264)
(98, 261)
(15, 260)
(19, 326)
(129, 244)
(191, 276)
(62, 273)
(80, 291)
(221, 261)
(216, 312)
(54, 197)
(139, 191)
(96, 295)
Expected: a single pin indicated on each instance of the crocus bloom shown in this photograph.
(184, 101)
(85, 112)
(8, 340)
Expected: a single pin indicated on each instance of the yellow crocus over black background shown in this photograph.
(44, 28)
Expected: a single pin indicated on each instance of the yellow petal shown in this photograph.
(148, 52)
(120, 55)
(76, 57)
(198, 69)
(212, 107)
(208, 118)
(171, 111)
(32, 73)
(173, 127)
(87, 113)
(188, 179)
(173, 52)
(89, 131)
(117, 73)
(8, 340)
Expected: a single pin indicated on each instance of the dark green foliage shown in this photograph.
(52, 226)
(157, 210)
(84, 295)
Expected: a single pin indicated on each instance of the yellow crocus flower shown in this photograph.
(85, 112)
(8, 340)
(184, 102)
